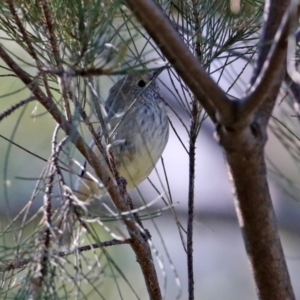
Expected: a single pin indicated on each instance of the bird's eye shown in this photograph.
(141, 83)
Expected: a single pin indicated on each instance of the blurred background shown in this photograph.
(222, 270)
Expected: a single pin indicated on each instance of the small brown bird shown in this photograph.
(140, 131)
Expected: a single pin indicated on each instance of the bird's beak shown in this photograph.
(155, 74)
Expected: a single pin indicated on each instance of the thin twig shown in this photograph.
(22, 263)
(193, 134)
(15, 107)
(77, 72)
(191, 196)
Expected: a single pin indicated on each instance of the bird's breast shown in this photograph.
(145, 136)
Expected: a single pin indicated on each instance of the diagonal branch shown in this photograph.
(181, 58)
(118, 194)
(273, 15)
(274, 12)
